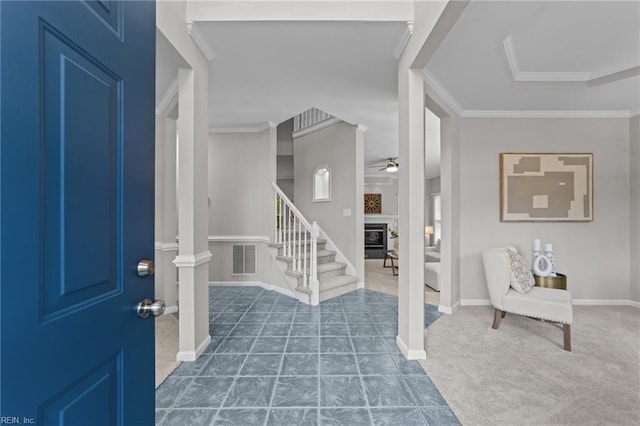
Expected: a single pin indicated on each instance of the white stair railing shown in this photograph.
(309, 118)
(298, 237)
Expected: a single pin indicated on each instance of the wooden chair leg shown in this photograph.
(566, 328)
(496, 318)
(504, 313)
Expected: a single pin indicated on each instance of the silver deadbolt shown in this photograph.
(147, 307)
(145, 268)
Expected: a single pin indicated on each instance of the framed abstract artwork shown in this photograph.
(546, 187)
(372, 203)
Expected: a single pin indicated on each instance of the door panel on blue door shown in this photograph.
(98, 391)
(77, 125)
(81, 172)
(109, 13)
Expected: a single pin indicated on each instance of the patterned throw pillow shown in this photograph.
(521, 277)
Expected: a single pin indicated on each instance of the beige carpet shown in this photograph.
(381, 279)
(520, 375)
(166, 346)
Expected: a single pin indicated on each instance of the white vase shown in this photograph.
(542, 266)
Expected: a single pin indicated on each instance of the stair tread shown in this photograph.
(331, 266)
(322, 267)
(321, 253)
(279, 245)
(331, 283)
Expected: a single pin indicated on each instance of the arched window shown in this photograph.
(321, 184)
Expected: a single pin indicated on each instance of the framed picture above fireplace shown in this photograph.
(372, 203)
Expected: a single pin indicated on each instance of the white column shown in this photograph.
(170, 216)
(166, 247)
(159, 207)
(359, 206)
(193, 258)
(411, 213)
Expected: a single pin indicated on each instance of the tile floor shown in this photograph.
(276, 361)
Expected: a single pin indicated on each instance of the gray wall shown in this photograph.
(285, 158)
(388, 187)
(431, 186)
(221, 265)
(594, 255)
(634, 132)
(335, 146)
(241, 169)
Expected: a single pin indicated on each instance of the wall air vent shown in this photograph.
(244, 259)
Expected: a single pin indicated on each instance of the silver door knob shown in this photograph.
(145, 268)
(147, 307)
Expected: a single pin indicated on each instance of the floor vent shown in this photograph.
(244, 259)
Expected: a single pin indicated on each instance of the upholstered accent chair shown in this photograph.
(544, 303)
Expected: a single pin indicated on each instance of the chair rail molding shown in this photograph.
(236, 238)
(191, 260)
(159, 245)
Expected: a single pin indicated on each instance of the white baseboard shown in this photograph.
(410, 353)
(606, 302)
(475, 302)
(577, 302)
(266, 286)
(193, 355)
(235, 283)
(170, 310)
(445, 309)
(449, 310)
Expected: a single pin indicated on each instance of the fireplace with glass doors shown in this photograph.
(375, 240)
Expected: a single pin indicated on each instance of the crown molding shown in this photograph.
(200, 40)
(509, 51)
(169, 99)
(545, 114)
(563, 79)
(404, 39)
(379, 174)
(248, 128)
(451, 102)
(442, 92)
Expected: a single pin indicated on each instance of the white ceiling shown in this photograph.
(500, 58)
(568, 56)
(271, 71)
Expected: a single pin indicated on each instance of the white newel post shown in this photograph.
(314, 285)
(193, 258)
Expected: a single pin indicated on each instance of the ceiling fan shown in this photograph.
(390, 165)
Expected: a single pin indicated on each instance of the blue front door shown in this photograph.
(76, 211)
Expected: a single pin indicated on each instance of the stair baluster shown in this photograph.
(305, 282)
(295, 233)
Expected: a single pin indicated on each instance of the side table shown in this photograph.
(388, 254)
(559, 282)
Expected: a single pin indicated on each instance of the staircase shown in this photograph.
(307, 256)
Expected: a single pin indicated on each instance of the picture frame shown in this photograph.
(546, 187)
(372, 203)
